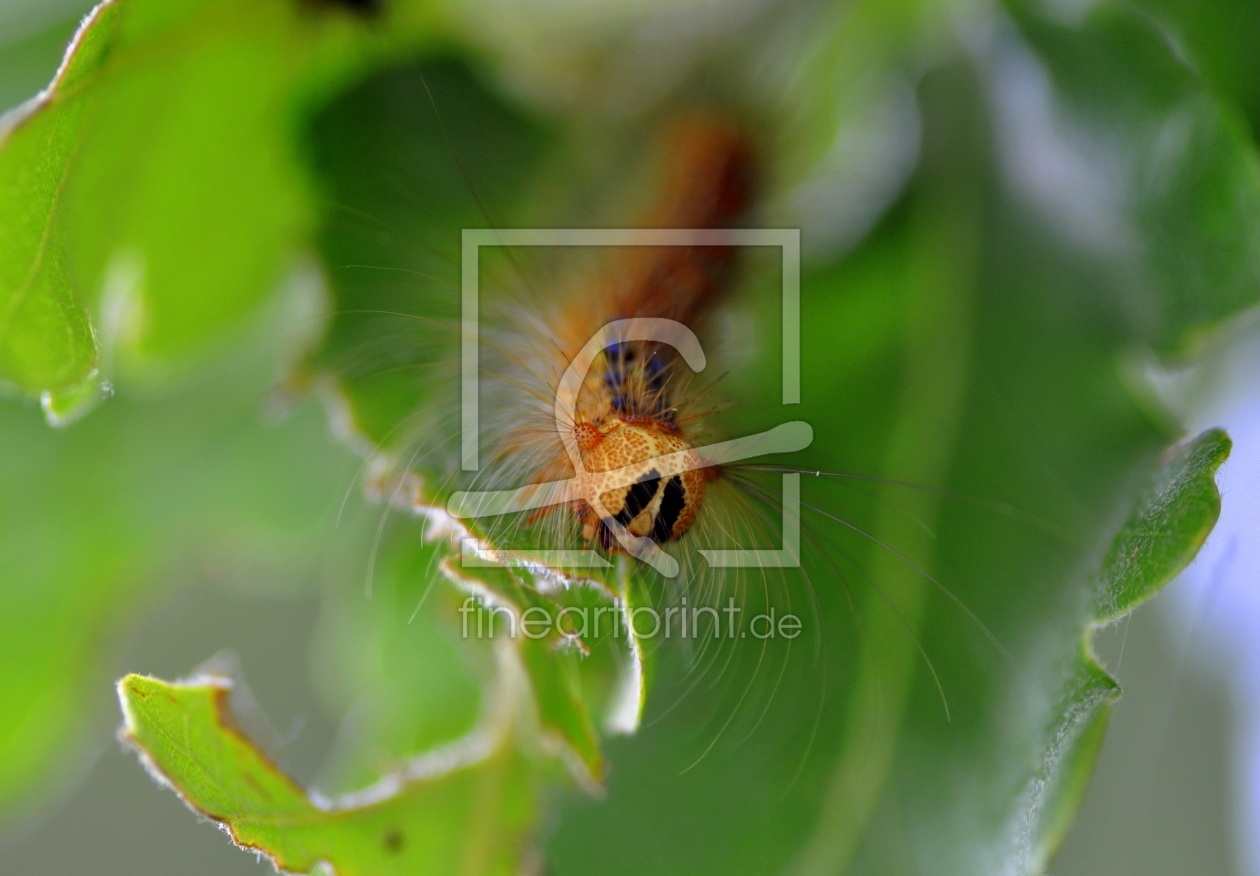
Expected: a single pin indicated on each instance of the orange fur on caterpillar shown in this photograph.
(709, 181)
(633, 407)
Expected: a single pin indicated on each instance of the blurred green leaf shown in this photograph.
(406, 160)
(460, 815)
(1222, 41)
(971, 345)
(151, 198)
(45, 336)
(956, 305)
(1173, 171)
(155, 491)
(145, 492)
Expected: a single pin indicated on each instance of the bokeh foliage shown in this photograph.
(1084, 191)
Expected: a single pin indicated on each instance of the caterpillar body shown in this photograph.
(635, 409)
(639, 413)
(640, 421)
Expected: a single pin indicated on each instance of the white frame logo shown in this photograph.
(784, 438)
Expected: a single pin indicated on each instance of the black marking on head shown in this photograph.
(393, 840)
(638, 496)
(672, 504)
(603, 534)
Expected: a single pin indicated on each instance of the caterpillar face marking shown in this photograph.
(665, 498)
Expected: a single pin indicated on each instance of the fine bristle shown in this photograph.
(706, 180)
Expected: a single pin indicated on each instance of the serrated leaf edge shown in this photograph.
(479, 745)
(1076, 739)
(406, 491)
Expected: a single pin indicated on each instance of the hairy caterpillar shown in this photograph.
(639, 401)
(633, 406)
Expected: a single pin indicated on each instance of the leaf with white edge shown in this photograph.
(417, 130)
(991, 372)
(1169, 523)
(569, 642)
(180, 117)
(1166, 529)
(46, 340)
(468, 809)
(116, 515)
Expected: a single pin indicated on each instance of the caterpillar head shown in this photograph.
(662, 501)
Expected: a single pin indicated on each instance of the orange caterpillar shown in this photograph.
(632, 409)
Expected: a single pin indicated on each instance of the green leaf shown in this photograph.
(463, 811)
(1166, 529)
(550, 658)
(409, 158)
(180, 117)
(99, 521)
(385, 358)
(45, 335)
(1222, 42)
(970, 345)
(1179, 211)
(1168, 525)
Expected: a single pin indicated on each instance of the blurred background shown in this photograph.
(1177, 789)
